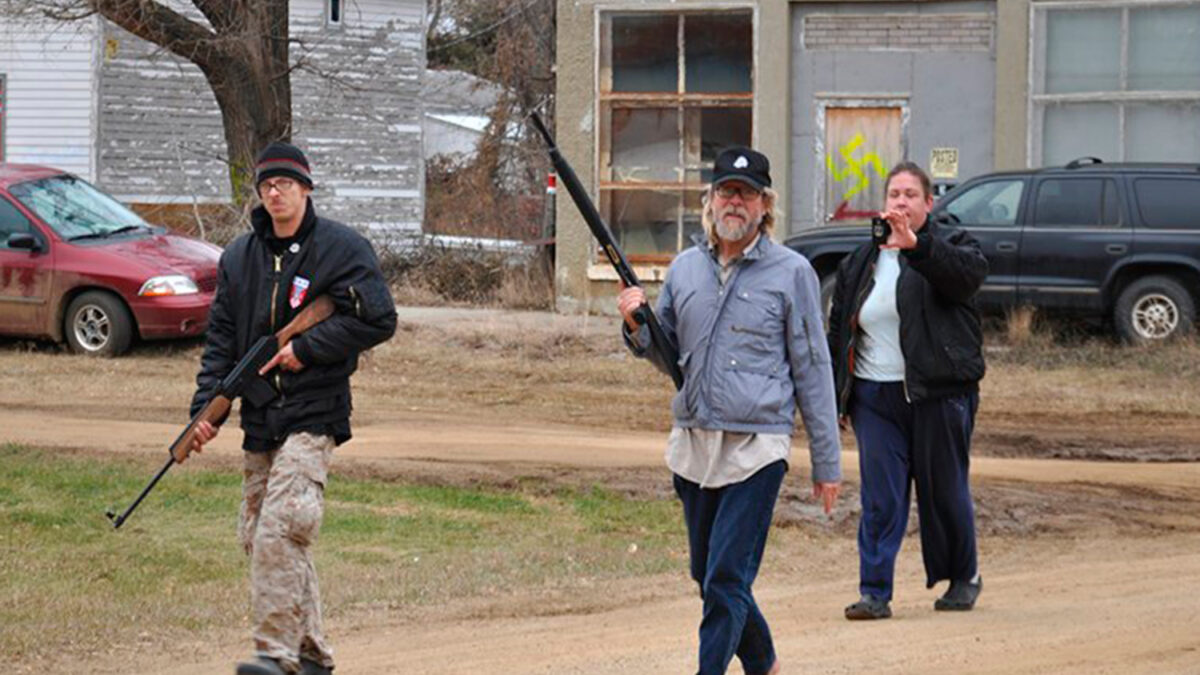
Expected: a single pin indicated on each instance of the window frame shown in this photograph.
(1039, 101)
(606, 101)
(340, 20)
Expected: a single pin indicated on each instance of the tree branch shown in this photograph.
(162, 26)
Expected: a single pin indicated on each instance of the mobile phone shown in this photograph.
(881, 229)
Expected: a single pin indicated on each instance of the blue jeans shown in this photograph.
(926, 443)
(727, 533)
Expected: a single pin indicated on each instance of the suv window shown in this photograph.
(1077, 202)
(1169, 203)
(991, 203)
(12, 221)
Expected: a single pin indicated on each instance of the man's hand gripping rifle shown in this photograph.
(244, 381)
(644, 315)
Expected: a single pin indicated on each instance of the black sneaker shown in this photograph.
(310, 667)
(261, 665)
(960, 597)
(868, 608)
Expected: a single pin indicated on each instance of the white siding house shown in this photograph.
(48, 96)
(143, 124)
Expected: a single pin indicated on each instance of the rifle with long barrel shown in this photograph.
(643, 315)
(243, 381)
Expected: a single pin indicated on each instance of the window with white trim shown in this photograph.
(333, 12)
(674, 89)
(1116, 80)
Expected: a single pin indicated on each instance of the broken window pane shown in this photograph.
(1083, 51)
(645, 144)
(718, 52)
(645, 222)
(645, 53)
(721, 128)
(1164, 49)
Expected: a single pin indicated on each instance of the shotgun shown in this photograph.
(642, 315)
(243, 381)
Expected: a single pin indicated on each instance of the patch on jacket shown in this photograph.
(299, 290)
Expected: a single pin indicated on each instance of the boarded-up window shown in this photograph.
(861, 145)
(675, 88)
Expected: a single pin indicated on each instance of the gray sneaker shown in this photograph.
(868, 608)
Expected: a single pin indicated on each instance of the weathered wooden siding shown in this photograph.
(160, 137)
(49, 81)
(355, 110)
(361, 124)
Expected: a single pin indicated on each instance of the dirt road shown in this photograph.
(1099, 599)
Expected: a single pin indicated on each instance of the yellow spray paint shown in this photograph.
(854, 167)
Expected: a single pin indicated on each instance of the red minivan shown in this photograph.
(77, 265)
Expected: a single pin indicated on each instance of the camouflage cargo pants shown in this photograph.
(283, 499)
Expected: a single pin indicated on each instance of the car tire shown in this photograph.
(828, 283)
(98, 324)
(1154, 309)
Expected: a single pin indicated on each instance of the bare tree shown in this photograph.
(242, 51)
(511, 43)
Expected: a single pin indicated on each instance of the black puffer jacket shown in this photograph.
(261, 284)
(940, 333)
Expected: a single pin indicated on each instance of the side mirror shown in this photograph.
(24, 241)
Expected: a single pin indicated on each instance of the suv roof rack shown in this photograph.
(1076, 163)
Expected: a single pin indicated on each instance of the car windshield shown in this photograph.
(75, 209)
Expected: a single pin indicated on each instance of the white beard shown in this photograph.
(735, 232)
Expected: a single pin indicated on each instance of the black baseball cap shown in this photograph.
(744, 164)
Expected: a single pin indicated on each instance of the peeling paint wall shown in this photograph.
(356, 113)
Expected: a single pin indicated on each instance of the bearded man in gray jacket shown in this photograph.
(745, 314)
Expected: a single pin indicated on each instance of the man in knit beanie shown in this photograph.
(265, 278)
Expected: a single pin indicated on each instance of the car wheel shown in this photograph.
(98, 324)
(828, 283)
(1153, 309)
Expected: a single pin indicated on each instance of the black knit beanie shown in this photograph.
(282, 159)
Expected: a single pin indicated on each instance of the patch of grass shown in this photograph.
(68, 582)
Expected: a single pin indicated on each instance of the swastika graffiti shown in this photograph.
(854, 166)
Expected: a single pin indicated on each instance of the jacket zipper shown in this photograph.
(274, 295)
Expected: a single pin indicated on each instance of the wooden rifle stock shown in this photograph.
(217, 408)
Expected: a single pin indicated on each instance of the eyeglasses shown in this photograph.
(282, 185)
(747, 193)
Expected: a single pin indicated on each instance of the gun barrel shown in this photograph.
(587, 209)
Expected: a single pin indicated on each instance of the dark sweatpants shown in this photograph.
(927, 442)
(727, 534)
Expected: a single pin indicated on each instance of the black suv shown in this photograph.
(1117, 242)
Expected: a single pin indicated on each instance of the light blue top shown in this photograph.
(878, 357)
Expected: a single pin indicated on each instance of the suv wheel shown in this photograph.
(97, 324)
(1153, 309)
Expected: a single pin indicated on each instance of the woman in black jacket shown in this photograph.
(907, 353)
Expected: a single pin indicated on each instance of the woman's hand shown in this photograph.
(902, 236)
